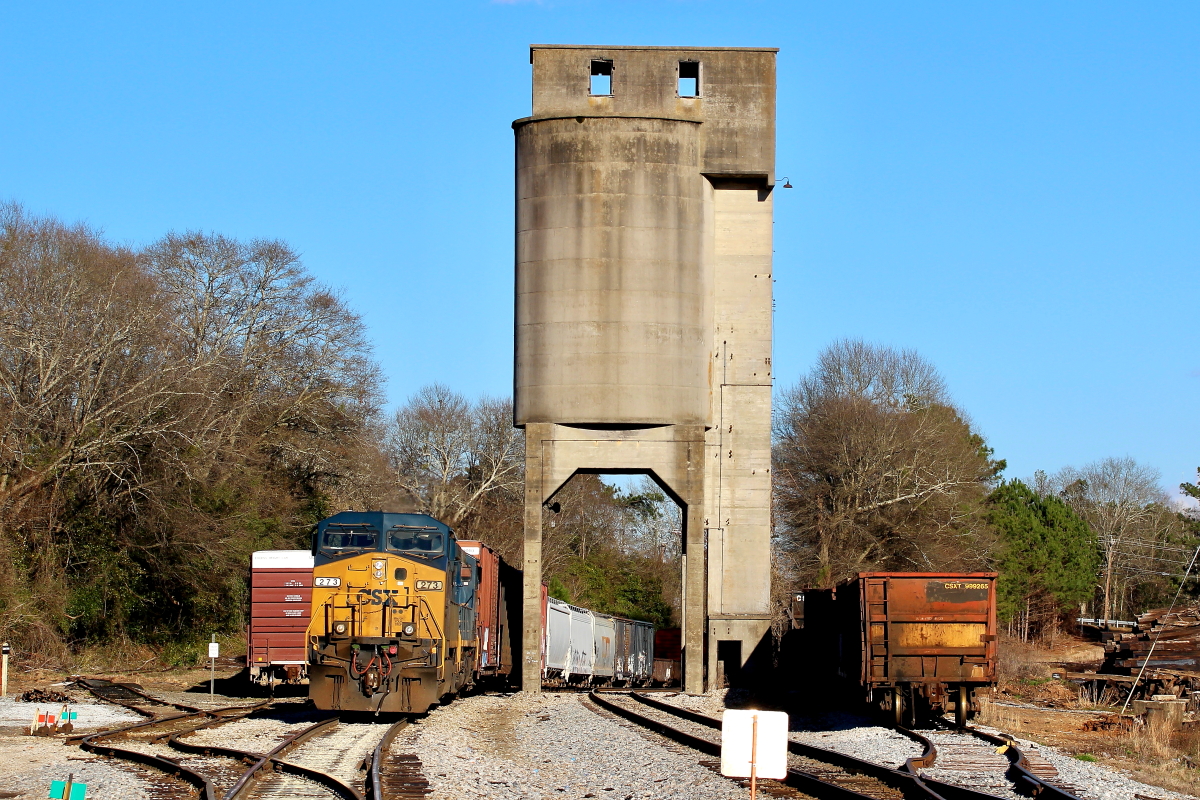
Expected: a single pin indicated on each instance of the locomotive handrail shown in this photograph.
(430, 618)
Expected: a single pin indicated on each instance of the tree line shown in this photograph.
(169, 409)
(877, 469)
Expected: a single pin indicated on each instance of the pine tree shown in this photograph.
(1047, 559)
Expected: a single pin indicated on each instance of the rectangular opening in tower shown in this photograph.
(689, 78)
(601, 77)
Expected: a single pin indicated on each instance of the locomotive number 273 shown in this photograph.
(429, 586)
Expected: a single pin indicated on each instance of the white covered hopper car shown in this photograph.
(585, 648)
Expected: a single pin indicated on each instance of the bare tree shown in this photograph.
(874, 467)
(1124, 503)
(280, 362)
(449, 454)
(162, 413)
(86, 381)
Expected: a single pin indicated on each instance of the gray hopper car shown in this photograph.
(582, 647)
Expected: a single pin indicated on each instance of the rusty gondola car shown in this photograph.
(915, 643)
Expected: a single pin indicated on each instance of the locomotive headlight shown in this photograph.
(378, 565)
(378, 573)
(339, 628)
(409, 629)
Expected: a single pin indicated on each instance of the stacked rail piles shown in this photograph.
(1174, 637)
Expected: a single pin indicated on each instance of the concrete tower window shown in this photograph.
(601, 77)
(689, 78)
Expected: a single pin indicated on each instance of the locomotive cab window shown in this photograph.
(689, 78)
(416, 541)
(340, 540)
(601, 77)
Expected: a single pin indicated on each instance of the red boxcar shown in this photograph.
(498, 584)
(280, 607)
(668, 657)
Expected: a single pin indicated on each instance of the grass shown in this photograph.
(1162, 756)
(1086, 757)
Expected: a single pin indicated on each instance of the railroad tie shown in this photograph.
(404, 777)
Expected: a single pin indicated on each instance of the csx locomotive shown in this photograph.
(391, 613)
(394, 626)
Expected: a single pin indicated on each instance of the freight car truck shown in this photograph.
(916, 643)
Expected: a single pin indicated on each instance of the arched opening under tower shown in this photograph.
(614, 544)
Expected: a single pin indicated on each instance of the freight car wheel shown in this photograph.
(961, 706)
(898, 706)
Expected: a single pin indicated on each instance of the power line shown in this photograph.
(1191, 564)
(1138, 556)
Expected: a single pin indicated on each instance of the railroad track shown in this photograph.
(995, 761)
(143, 742)
(131, 696)
(812, 771)
(349, 761)
(987, 761)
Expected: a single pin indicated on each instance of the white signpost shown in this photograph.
(754, 745)
(214, 650)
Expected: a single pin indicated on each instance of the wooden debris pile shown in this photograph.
(1177, 649)
(44, 696)
(1109, 723)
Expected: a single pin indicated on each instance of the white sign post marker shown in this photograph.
(214, 650)
(754, 745)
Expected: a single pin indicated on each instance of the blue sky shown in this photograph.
(1012, 190)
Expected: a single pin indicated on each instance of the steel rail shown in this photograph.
(93, 744)
(275, 760)
(908, 785)
(927, 758)
(375, 769)
(93, 685)
(1021, 775)
(894, 778)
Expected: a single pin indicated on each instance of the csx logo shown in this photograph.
(378, 597)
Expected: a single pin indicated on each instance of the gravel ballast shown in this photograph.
(93, 715)
(551, 746)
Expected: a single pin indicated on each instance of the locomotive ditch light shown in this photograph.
(409, 629)
(339, 628)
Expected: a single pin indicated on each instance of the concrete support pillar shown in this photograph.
(531, 634)
(695, 594)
